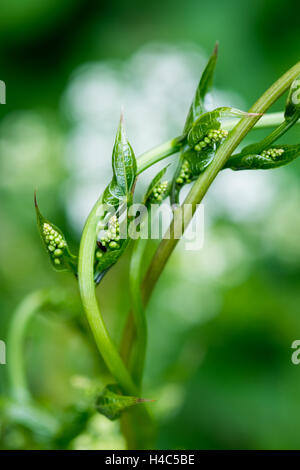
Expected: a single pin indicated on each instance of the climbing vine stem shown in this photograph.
(105, 344)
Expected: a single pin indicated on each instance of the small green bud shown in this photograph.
(113, 245)
(58, 252)
(184, 175)
(99, 254)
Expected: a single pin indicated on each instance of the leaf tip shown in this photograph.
(216, 48)
(35, 199)
(145, 400)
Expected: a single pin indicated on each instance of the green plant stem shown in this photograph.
(138, 360)
(15, 350)
(173, 146)
(104, 343)
(86, 263)
(204, 181)
(158, 153)
(202, 184)
(88, 241)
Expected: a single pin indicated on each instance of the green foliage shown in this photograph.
(274, 157)
(55, 243)
(157, 190)
(117, 194)
(198, 104)
(111, 403)
(202, 136)
(124, 170)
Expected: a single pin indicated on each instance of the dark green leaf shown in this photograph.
(205, 84)
(111, 403)
(265, 160)
(55, 244)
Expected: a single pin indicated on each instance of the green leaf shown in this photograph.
(108, 259)
(265, 160)
(123, 162)
(156, 185)
(113, 194)
(212, 121)
(292, 108)
(55, 244)
(117, 194)
(111, 403)
(204, 86)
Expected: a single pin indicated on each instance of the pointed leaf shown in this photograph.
(123, 161)
(205, 84)
(55, 244)
(111, 403)
(283, 155)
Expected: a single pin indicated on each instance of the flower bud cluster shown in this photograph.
(185, 175)
(54, 241)
(274, 153)
(212, 137)
(111, 238)
(159, 193)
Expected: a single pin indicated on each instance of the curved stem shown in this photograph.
(138, 360)
(88, 240)
(104, 343)
(157, 154)
(203, 183)
(15, 353)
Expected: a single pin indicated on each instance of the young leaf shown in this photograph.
(117, 193)
(205, 84)
(157, 190)
(111, 403)
(113, 194)
(123, 162)
(274, 157)
(55, 243)
(194, 160)
(292, 108)
(107, 259)
(212, 121)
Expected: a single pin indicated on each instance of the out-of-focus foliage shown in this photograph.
(222, 320)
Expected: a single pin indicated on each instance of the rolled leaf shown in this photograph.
(55, 243)
(276, 156)
(117, 194)
(157, 190)
(123, 161)
(212, 121)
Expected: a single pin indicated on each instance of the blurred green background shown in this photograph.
(221, 320)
